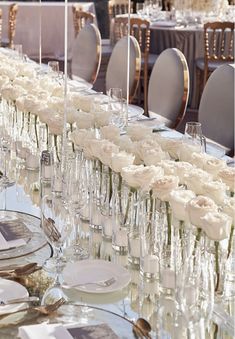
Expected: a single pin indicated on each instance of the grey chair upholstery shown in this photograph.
(216, 110)
(169, 87)
(116, 75)
(86, 53)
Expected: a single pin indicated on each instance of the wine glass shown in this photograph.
(56, 225)
(116, 107)
(193, 135)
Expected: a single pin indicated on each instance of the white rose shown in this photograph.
(171, 146)
(215, 190)
(92, 147)
(26, 83)
(138, 132)
(26, 70)
(227, 175)
(178, 202)
(47, 84)
(110, 133)
(80, 137)
(58, 91)
(125, 143)
(154, 157)
(198, 207)
(228, 207)
(141, 176)
(10, 72)
(120, 160)
(169, 167)
(56, 126)
(195, 180)
(31, 104)
(182, 168)
(103, 150)
(145, 145)
(72, 115)
(102, 118)
(85, 120)
(214, 165)
(186, 151)
(85, 103)
(107, 149)
(7, 92)
(199, 159)
(4, 80)
(216, 225)
(45, 114)
(162, 187)
(56, 104)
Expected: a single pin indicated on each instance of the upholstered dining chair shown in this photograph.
(216, 110)
(116, 74)
(86, 53)
(81, 18)
(168, 89)
(13, 10)
(218, 49)
(140, 29)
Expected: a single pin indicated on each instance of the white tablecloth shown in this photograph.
(52, 19)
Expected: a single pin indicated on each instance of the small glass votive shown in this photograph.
(149, 238)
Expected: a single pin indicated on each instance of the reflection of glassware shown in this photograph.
(54, 66)
(5, 147)
(56, 226)
(193, 135)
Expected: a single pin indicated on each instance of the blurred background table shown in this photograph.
(28, 27)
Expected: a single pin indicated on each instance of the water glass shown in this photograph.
(193, 135)
(149, 251)
(116, 107)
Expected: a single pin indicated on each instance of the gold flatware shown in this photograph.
(19, 271)
(142, 328)
(50, 229)
(42, 310)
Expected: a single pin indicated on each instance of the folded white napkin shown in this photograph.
(44, 331)
(5, 245)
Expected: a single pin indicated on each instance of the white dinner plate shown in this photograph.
(134, 112)
(92, 271)
(11, 290)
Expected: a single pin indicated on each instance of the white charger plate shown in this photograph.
(85, 271)
(11, 290)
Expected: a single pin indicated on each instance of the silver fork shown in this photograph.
(101, 283)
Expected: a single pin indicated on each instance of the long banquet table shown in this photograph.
(140, 298)
(52, 25)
